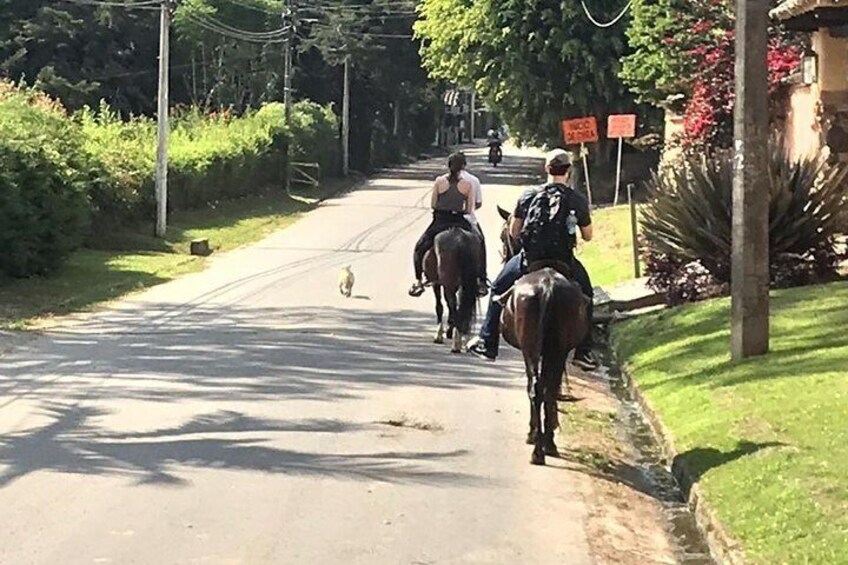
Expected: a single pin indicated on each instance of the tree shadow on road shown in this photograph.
(165, 354)
(161, 354)
(73, 442)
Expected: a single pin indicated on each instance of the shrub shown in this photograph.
(688, 219)
(58, 172)
(43, 206)
(315, 136)
(211, 156)
(224, 157)
(125, 152)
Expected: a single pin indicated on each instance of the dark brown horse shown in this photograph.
(453, 266)
(545, 317)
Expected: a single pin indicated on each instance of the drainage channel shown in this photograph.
(689, 542)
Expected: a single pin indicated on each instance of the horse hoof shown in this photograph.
(439, 340)
(537, 458)
(454, 350)
(551, 450)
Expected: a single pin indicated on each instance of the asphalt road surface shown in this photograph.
(250, 414)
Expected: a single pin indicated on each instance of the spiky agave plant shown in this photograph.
(688, 217)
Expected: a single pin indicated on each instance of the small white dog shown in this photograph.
(346, 280)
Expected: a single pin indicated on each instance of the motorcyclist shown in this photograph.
(493, 140)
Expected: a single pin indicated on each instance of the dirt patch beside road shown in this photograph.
(626, 523)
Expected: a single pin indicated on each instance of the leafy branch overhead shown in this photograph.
(534, 62)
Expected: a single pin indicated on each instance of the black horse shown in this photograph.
(452, 266)
(545, 316)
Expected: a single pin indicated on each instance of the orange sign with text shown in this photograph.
(580, 130)
(621, 125)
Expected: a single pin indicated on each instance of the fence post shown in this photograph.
(637, 268)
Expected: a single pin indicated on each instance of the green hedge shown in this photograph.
(43, 205)
(315, 137)
(59, 172)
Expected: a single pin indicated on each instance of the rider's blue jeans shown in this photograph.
(512, 271)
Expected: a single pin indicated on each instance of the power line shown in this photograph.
(249, 6)
(138, 4)
(277, 36)
(359, 9)
(366, 34)
(246, 33)
(378, 5)
(610, 23)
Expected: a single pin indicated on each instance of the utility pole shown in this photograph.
(346, 118)
(161, 182)
(473, 114)
(288, 19)
(750, 268)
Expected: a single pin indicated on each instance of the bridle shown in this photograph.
(510, 245)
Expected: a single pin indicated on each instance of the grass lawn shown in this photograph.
(129, 261)
(768, 437)
(609, 256)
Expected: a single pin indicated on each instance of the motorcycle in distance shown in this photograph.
(495, 152)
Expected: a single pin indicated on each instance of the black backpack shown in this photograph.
(544, 234)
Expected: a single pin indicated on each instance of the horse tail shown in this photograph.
(544, 314)
(552, 360)
(468, 261)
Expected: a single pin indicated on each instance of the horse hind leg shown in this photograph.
(458, 341)
(453, 332)
(538, 455)
(440, 312)
(565, 392)
(440, 334)
(553, 370)
(534, 392)
(551, 422)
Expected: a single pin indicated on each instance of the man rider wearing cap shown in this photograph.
(558, 168)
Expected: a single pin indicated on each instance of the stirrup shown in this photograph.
(416, 289)
(483, 289)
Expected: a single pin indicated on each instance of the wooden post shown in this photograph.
(749, 269)
(637, 268)
(618, 173)
(585, 153)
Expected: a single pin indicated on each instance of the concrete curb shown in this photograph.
(724, 549)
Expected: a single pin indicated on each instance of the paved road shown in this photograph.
(239, 415)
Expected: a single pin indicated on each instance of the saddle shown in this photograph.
(561, 267)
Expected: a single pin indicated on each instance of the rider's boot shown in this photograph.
(479, 348)
(585, 359)
(417, 289)
(482, 287)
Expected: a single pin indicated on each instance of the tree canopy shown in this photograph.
(682, 56)
(229, 54)
(535, 61)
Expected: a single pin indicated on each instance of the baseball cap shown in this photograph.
(558, 158)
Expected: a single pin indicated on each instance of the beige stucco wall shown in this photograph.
(803, 133)
(673, 129)
(833, 61)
